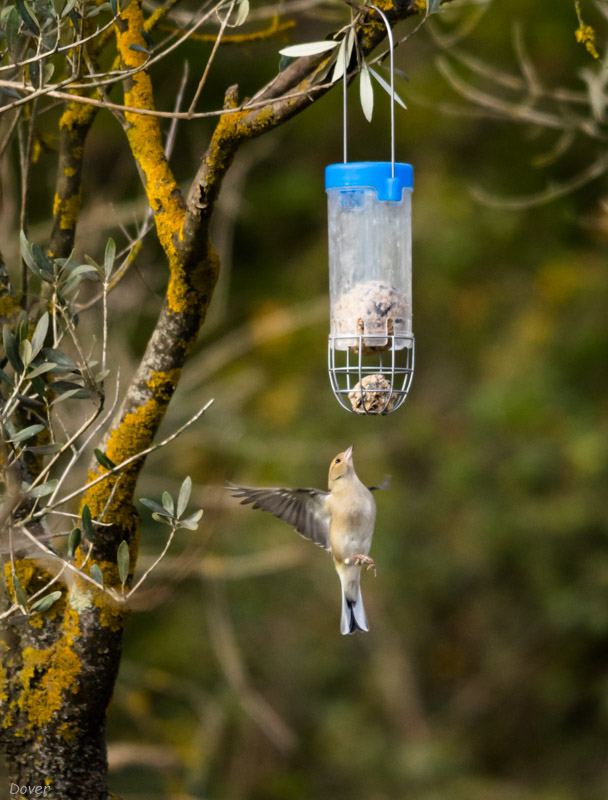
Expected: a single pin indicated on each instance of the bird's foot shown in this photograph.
(361, 561)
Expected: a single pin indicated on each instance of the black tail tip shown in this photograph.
(353, 624)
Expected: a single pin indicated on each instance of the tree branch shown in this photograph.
(289, 93)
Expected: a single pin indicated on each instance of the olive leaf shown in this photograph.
(40, 333)
(20, 595)
(11, 349)
(45, 602)
(73, 542)
(103, 459)
(87, 522)
(168, 503)
(184, 496)
(110, 255)
(43, 489)
(191, 522)
(366, 92)
(387, 87)
(153, 506)
(96, 573)
(123, 560)
(27, 433)
(308, 49)
(243, 12)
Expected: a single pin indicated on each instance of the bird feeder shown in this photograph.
(371, 344)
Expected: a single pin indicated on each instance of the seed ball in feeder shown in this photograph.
(372, 395)
(371, 308)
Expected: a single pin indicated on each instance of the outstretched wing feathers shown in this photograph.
(384, 485)
(303, 509)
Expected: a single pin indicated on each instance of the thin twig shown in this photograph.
(57, 49)
(596, 170)
(133, 458)
(77, 455)
(25, 160)
(171, 136)
(104, 346)
(216, 45)
(517, 112)
(109, 501)
(514, 82)
(467, 26)
(9, 133)
(156, 562)
(152, 112)
(85, 425)
(67, 564)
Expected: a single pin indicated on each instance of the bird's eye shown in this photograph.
(338, 460)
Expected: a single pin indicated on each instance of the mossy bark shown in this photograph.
(58, 694)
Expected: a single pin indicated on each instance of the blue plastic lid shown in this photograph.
(371, 174)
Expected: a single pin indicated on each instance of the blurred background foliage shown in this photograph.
(485, 674)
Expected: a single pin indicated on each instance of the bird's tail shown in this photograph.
(353, 614)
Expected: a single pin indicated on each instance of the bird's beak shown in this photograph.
(348, 454)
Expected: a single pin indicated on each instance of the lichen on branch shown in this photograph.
(145, 137)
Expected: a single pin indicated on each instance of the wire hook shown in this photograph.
(391, 41)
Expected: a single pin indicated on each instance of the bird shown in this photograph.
(340, 520)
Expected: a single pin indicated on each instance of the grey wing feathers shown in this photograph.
(384, 485)
(304, 509)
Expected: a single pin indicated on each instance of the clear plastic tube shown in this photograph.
(370, 268)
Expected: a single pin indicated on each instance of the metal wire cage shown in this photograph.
(371, 374)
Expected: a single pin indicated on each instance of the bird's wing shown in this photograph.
(384, 485)
(304, 509)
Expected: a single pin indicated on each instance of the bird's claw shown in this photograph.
(360, 561)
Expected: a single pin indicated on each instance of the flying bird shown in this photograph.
(340, 520)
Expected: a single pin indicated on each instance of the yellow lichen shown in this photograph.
(585, 34)
(30, 575)
(32, 579)
(137, 429)
(112, 614)
(3, 677)
(68, 732)
(190, 291)
(272, 30)
(48, 675)
(8, 306)
(134, 434)
(67, 208)
(76, 115)
(146, 142)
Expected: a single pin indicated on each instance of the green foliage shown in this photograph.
(87, 523)
(103, 459)
(123, 561)
(42, 605)
(73, 542)
(96, 573)
(171, 513)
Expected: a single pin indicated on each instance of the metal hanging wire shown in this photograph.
(391, 42)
